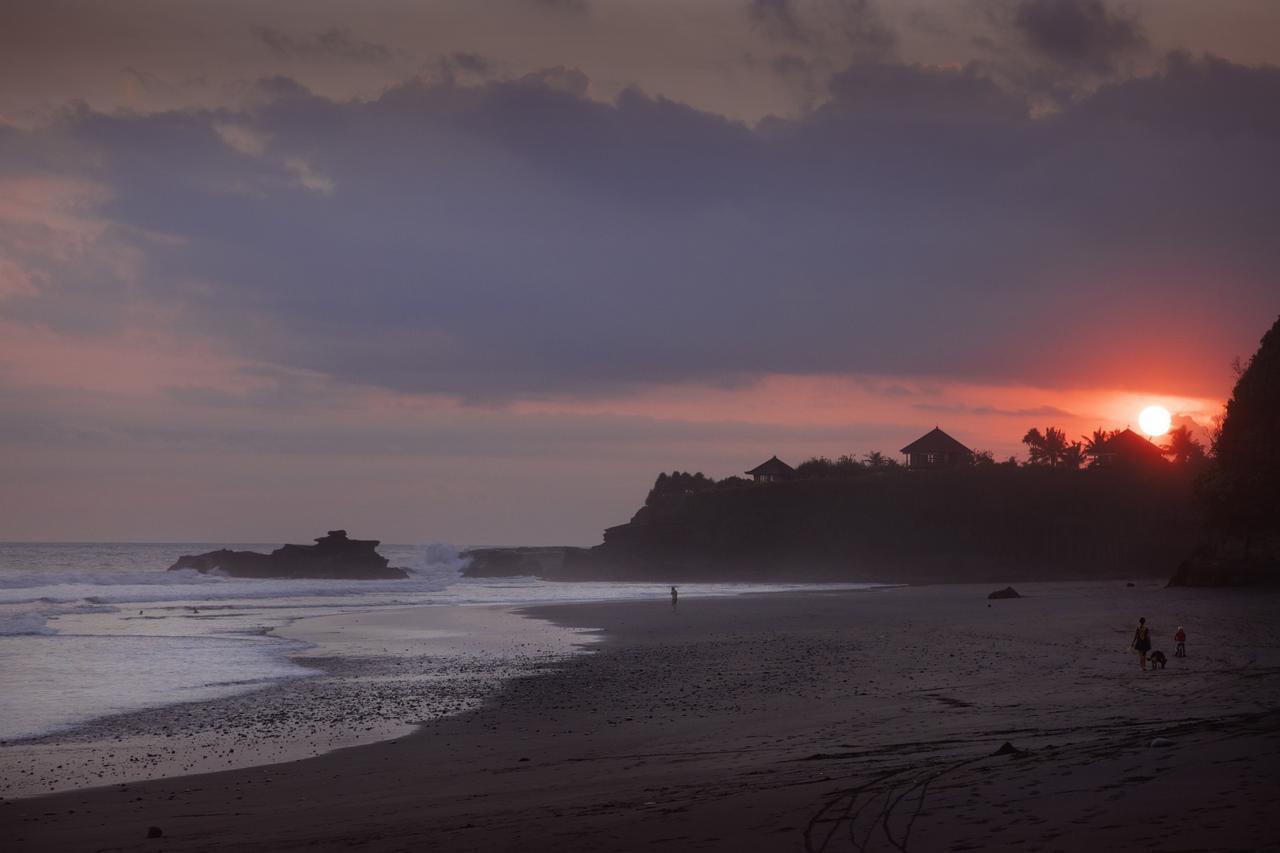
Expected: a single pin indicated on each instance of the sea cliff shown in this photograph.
(973, 524)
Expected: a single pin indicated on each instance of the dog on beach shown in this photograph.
(1157, 659)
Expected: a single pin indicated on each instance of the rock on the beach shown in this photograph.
(1161, 741)
(333, 556)
(1007, 592)
(154, 832)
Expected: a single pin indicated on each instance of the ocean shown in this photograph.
(89, 631)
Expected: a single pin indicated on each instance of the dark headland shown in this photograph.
(333, 556)
(1111, 507)
(975, 524)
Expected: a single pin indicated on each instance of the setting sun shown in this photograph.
(1154, 420)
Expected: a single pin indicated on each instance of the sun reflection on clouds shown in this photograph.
(985, 416)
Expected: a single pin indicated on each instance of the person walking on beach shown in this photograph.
(675, 596)
(1181, 639)
(1142, 642)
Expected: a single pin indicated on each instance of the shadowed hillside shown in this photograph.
(982, 523)
(1240, 492)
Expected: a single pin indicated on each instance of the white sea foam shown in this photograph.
(433, 569)
(24, 625)
(91, 630)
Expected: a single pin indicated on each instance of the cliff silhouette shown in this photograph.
(965, 524)
(1240, 490)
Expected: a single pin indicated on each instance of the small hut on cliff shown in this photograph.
(1127, 448)
(936, 449)
(773, 470)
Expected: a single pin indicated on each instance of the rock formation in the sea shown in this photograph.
(1007, 592)
(1240, 492)
(333, 556)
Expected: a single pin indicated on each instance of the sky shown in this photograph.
(476, 273)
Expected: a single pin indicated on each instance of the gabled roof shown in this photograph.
(1129, 443)
(773, 466)
(935, 441)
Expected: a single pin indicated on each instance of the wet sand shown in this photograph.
(380, 672)
(774, 722)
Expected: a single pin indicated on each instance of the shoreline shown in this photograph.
(463, 651)
(735, 723)
(377, 674)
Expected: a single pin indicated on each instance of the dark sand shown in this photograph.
(765, 722)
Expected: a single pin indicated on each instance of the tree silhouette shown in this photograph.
(1073, 456)
(1243, 494)
(1047, 448)
(1183, 447)
(820, 467)
(678, 483)
(1093, 443)
(876, 459)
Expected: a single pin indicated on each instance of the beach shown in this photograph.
(768, 722)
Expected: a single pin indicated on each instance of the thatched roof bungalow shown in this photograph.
(773, 470)
(1127, 448)
(936, 449)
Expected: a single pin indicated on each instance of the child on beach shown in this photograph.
(1181, 639)
(1142, 642)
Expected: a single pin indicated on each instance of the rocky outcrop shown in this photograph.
(333, 556)
(1007, 592)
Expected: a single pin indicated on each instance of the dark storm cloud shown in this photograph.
(333, 43)
(852, 26)
(777, 19)
(516, 239)
(1077, 33)
(471, 62)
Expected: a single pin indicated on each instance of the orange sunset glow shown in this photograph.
(313, 242)
(720, 425)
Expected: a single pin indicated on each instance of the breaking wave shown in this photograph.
(431, 568)
(25, 625)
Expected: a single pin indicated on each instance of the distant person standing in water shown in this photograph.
(675, 597)
(1142, 642)
(1181, 639)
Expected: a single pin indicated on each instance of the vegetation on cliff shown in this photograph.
(1240, 489)
(1106, 506)
(863, 522)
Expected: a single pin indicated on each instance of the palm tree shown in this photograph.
(1093, 443)
(876, 459)
(1073, 456)
(1048, 448)
(1183, 446)
(1035, 446)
